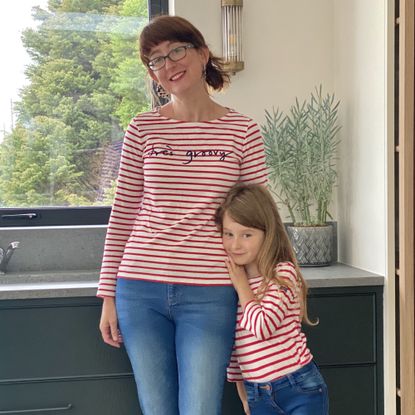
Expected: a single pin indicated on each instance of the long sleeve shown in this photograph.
(253, 167)
(269, 342)
(263, 318)
(233, 372)
(124, 211)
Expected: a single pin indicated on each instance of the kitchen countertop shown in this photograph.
(83, 283)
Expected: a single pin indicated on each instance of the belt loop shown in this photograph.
(256, 391)
(291, 379)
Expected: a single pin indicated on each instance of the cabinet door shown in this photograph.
(347, 345)
(231, 404)
(55, 340)
(346, 333)
(352, 390)
(90, 397)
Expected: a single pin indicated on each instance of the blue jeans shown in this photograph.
(179, 339)
(302, 392)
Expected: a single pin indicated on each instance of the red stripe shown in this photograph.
(226, 282)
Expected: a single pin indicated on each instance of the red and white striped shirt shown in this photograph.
(269, 342)
(173, 175)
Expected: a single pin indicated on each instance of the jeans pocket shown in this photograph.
(309, 382)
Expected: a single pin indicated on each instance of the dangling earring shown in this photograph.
(161, 92)
(204, 72)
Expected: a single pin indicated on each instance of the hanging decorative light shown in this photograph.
(232, 35)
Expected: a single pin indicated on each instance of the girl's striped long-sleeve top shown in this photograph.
(173, 175)
(269, 342)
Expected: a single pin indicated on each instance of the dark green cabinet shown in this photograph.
(52, 359)
(73, 397)
(347, 344)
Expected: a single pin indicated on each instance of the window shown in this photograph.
(79, 81)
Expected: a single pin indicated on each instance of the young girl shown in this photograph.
(271, 364)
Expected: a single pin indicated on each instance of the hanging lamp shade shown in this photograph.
(232, 35)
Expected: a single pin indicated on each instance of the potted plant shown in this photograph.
(301, 149)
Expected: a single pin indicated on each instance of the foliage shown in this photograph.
(301, 149)
(85, 84)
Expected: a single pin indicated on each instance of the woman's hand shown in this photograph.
(240, 281)
(109, 323)
(243, 397)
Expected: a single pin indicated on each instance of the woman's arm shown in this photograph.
(127, 202)
(109, 323)
(242, 396)
(253, 164)
(128, 196)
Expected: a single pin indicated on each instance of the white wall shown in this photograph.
(360, 83)
(292, 46)
(288, 49)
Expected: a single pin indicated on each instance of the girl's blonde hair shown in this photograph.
(253, 206)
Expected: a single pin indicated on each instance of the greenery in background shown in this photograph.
(301, 150)
(85, 84)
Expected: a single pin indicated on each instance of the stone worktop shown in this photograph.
(83, 283)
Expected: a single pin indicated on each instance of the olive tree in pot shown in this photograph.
(301, 150)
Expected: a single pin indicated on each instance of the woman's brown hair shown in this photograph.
(178, 29)
(253, 206)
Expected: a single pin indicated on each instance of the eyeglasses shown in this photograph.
(174, 55)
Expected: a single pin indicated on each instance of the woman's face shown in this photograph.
(180, 76)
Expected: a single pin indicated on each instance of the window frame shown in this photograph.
(68, 216)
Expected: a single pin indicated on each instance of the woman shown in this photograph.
(163, 279)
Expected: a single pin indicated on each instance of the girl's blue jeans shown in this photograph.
(302, 392)
(179, 339)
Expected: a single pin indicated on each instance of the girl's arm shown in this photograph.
(242, 396)
(263, 318)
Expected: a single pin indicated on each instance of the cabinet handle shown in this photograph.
(31, 411)
(31, 215)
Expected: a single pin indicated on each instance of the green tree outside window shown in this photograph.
(85, 84)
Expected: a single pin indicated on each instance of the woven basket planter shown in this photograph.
(313, 245)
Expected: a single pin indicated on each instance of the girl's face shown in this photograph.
(178, 76)
(242, 244)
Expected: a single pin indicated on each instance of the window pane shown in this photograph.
(72, 82)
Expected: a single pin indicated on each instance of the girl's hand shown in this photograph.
(109, 323)
(246, 407)
(237, 273)
(240, 281)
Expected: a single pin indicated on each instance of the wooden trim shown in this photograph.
(406, 207)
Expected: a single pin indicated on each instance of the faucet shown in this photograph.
(6, 255)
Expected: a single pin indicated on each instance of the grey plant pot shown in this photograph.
(313, 245)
